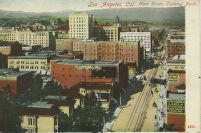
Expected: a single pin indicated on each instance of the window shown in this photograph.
(29, 121)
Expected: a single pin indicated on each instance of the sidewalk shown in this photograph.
(162, 103)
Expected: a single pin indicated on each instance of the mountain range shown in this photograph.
(171, 14)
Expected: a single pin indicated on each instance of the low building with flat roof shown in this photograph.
(30, 63)
(73, 71)
(15, 82)
(177, 62)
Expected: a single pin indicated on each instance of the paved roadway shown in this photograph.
(138, 111)
(137, 114)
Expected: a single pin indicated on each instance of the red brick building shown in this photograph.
(108, 51)
(176, 49)
(78, 45)
(176, 111)
(177, 120)
(15, 82)
(129, 52)
(71, 72)
(176, 81)
(91, 50)
(12, 49)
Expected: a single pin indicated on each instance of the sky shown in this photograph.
(57, 5)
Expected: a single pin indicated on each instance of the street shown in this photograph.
(139, 114)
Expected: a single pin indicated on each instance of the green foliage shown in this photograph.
(88, 118)
(36, 91)
(112, 106)
(9, 119)
(53, 88)
(65, 123)
(60, 22)
(45, 20)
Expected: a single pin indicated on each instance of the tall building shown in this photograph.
(108, 51)
(81, 25)
(132, 52)
(143, 37)
(106, 33)
(129, 52)
(71, 72)
(91, 51)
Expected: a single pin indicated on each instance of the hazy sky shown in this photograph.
(56, 5)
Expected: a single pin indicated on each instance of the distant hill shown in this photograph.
(172, 14)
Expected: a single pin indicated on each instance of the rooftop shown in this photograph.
(29, 57)
(94, 86)
(176, 96)
(82, 62)
(56, 97)
(180, 59)
(176, 71)
(11, 72)
(41, 105)
(59, 100)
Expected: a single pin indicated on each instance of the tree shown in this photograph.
(36, 91)
(90, 117)
(9, 119)
(65, 122)
(53, 88)
(112, 106)
(60, 22)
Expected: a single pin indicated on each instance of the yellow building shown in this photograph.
(80, 25)
(43, 38)
(30, 63)
(111, 33)
(177, 63)
(39, 117)
(106, 33)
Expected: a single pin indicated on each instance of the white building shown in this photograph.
(44, 38)
(81, 25)
(143, 37)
